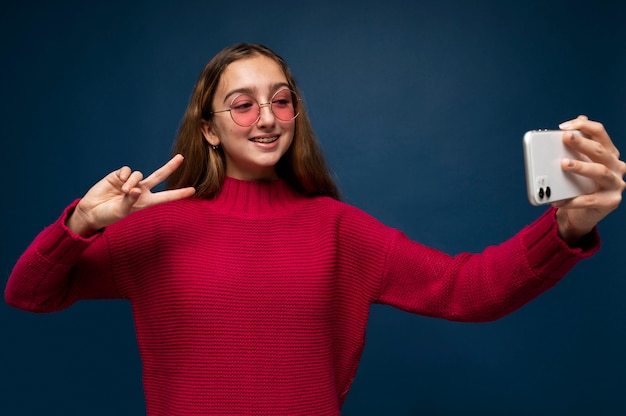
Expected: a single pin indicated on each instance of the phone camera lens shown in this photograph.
(541, 193)
(548, 192)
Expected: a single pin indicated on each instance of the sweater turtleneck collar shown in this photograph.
(255, 198)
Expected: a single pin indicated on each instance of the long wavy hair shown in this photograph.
(303, 165)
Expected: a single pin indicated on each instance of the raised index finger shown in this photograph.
(163, 172)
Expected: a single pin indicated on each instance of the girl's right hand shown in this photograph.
(121, 193)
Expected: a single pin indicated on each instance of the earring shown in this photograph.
(215, 146)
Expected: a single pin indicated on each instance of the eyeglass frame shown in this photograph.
(296, 107)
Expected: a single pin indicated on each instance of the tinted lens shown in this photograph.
(244, 110)
(285, 105)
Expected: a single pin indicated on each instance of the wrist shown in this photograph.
(567, 232)
(77, 223)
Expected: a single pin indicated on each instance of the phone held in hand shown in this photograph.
(546, 182)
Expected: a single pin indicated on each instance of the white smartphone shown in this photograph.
(546, 181)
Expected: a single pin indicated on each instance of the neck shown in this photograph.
(258, 173)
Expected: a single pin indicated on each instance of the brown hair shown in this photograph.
(303, 165)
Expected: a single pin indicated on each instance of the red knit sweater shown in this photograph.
(256, 302)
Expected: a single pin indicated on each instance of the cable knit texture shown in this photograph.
(256, 302)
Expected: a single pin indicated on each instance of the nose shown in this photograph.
(266, 116)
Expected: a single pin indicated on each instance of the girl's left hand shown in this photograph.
(578, 216)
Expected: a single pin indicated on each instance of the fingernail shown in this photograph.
(569, 163)
(565, 125)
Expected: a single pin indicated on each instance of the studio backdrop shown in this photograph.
(420, 108)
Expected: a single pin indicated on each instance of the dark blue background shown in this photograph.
(420, 107)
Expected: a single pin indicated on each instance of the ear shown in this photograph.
(209, 135)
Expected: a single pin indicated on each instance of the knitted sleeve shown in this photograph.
(59, 268)
(480, 287)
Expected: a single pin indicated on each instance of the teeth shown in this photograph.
(265, 139)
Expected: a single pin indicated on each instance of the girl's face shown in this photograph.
(251, 152)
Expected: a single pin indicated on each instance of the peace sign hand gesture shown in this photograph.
(121, 193)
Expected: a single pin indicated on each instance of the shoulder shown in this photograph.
(348, 219)
(330, 206)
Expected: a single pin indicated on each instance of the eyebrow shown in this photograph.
(250, 91)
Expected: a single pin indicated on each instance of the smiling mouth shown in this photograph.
(264, 139)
